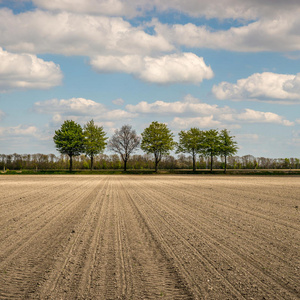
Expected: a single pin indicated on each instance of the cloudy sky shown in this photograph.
(231, 64)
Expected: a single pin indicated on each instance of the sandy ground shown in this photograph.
(149, 237)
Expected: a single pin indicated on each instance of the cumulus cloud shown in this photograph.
(82, 27)
(173, 68)
(20, 130)
(191, 112)
(27, 71)
(73, 34)
(79, 108)
(277, 33)
(102, 7)
(118, 101)
(201, 122)
(233, 9)
(253, 116)
(22, 137)
(189, 105)
(265, 86)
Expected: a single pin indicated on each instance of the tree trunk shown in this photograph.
(225, 164)
(194, 162)
(211, 163)
(156, 165)
(71, 163)
(125, 165)
(92, 162)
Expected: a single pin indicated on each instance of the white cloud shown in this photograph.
(190, 105)
(76, 106)
(27, 71)
(265, 86)
(191, 111)
(276, 33)
(127, 63)
(253, 116)
(173, 68)
(118, 101)
(101, 7)
(201, 122)
(73, 34)
(235, 9)
(81, 27)
(24, 138)
(20, 130)
(79, 109)
(106, 124)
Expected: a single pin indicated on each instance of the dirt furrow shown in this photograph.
(39, 223)
(196, 270)
(220, 251)
(243, 202)
(232, 259)
(152, 272)
(223, 231)
(149, 237)
(34, 213)
(24, 268)
(244, 225)
(23, 204)
(15, 189)
(73, 263)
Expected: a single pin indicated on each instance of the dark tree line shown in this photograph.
(72, 140)
(140, 162)
(83, 147)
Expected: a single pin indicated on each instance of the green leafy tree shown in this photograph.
(190, 142)
(69, 140)
(124, 142)
(228, 146)
(158, 140)
(211, 145)
(94, 140)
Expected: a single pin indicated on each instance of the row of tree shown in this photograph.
(103, 161)
(157, 139)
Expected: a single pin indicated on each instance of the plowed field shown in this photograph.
(149, 237)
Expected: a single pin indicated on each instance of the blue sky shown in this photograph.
(231, 64)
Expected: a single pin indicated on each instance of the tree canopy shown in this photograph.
(158, 140)
(94, 140)
(69, 139)
(211, 145)
(191, 141)
(228, 146)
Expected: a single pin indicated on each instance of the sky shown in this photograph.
(210, 64)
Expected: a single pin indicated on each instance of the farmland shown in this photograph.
(149, 237)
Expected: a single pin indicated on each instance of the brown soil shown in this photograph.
(149, 237)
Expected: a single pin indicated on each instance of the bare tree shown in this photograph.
(124, 142)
